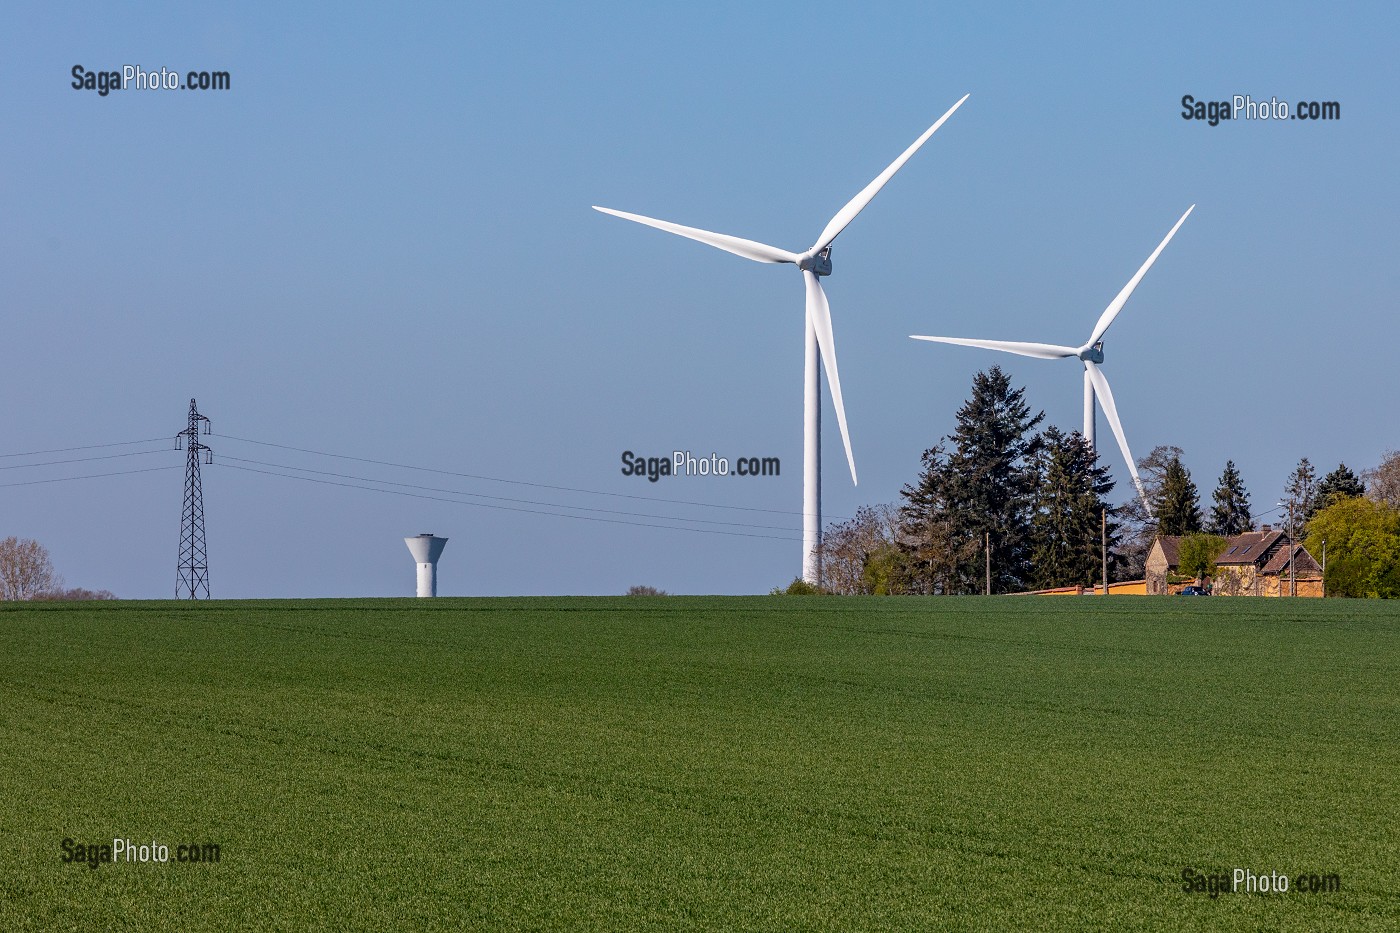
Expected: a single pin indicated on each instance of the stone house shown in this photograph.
(1255, 563)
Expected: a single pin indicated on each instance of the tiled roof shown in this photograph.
(1249, 548)
(1303, 562)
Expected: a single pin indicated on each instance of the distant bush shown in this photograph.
(798, 587)
(645, 591)
(75, 595)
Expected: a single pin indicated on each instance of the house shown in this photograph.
(1257, 563)
(1162, 564)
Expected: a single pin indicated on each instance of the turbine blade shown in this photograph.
(1116, 305)
(1044, 351)
(857, 204)
(749, 249)
(819, 314)
(1110, 410)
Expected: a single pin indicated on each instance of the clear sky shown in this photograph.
(378, 243)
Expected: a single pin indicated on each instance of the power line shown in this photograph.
(508, 508)
(69, 479)
(518, 482)
(478, 495)
(64, 450)
(549, 508)
(134, 453)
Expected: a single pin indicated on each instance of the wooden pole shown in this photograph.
(989, 562)
(1292, 551)
(1103, 546)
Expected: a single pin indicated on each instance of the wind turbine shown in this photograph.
(814, 263)
(1091, 354)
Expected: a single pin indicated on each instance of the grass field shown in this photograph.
(774, 763)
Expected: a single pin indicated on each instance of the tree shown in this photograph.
(1300, 495)
(932, 545)
(1140, 527)
(25, 569)
(645, 591)
(1197, 554)
(983, 489)
(861, 556)
(1383, 482)
(1340, 484)
(1177, 507)
(1230, 515)
(798, 587)
(1070, 502)
(1362, 541)
(885, 572)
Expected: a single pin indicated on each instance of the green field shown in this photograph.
(776, 763)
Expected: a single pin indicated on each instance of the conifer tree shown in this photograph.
(1340, 484)
(1230, 515)
(1177, 507)
(1071, 499)
(983, 487)
(933, 548)
(1301, 497)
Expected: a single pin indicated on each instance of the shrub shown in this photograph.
(798, 587)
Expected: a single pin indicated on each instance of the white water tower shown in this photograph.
(426, 549)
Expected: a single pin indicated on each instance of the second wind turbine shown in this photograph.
(1090, 353)
(814, 263)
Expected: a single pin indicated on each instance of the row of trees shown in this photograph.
(26, 573)
(999, 501)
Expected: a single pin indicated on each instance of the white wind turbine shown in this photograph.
(814, 263)
(1091, 354)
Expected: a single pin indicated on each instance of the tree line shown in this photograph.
(26, 573)
(1005, 506)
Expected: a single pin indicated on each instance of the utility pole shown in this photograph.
(988, 544)
(1324, 568)
(1103, 546)
(193, 574)
(1292, 550)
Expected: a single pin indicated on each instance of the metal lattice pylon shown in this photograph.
(193, 579)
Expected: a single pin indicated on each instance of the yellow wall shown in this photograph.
(1129, 588)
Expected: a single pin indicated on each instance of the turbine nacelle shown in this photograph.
(818, 263)
(1092, 353)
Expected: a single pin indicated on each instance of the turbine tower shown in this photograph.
(814, 263)
(1091, 355)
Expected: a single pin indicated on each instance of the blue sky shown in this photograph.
(378, 243)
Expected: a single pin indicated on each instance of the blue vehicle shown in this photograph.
(1195, 591)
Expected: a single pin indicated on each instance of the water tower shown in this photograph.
(426, 549)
